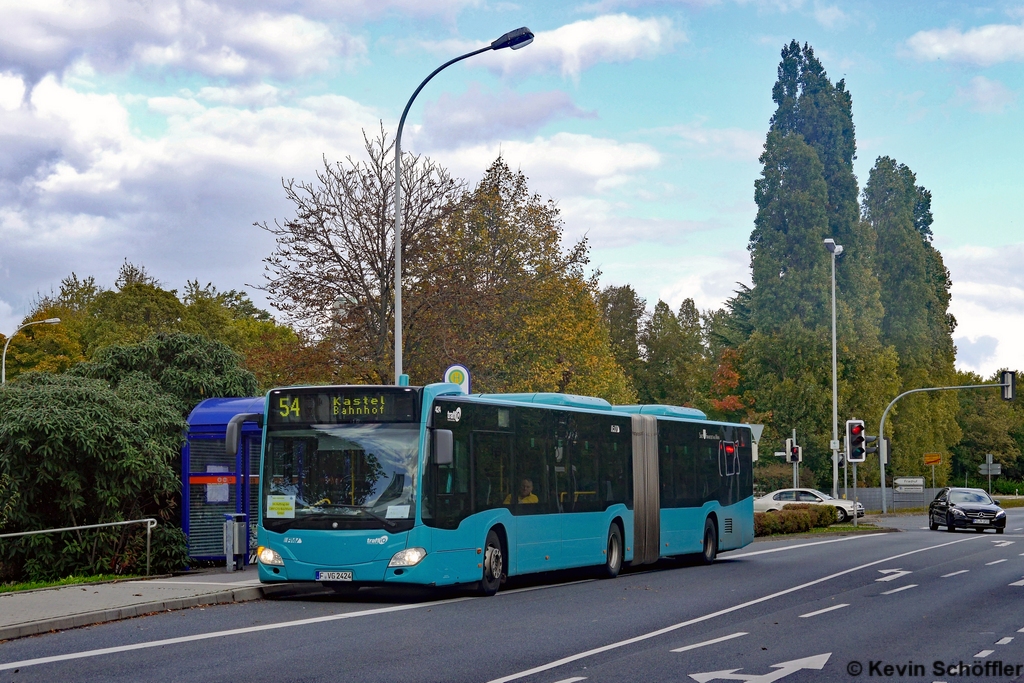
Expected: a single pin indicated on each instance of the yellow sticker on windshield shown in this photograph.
(280, 507)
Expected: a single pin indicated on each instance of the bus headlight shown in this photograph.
(268, 556)
(408, 557)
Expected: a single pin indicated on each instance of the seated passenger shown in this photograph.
(526, 494)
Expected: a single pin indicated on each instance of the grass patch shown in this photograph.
(66, 581)
(835, 528)
(1011, 502)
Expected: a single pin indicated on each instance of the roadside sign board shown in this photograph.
(994, 468)
(910, 489)
(933, 458)
(909, 481)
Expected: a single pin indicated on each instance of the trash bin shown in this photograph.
(235, 532)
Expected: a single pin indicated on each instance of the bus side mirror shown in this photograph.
(444, 442)
(234, 430)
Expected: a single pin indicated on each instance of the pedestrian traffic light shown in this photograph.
(1009, 382)
(794, 453)
(855, 448)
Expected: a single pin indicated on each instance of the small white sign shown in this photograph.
(218, 493)
(397, 512)
(280, 507)
(458, 374)
(909, 481)
(909, 489)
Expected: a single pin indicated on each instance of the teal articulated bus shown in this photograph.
(374, 485)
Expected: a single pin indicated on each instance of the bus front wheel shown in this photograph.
(710, 551)
(494, 564)
(613, 553)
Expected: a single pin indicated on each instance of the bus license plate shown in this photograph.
(334, 576)
(981, 521)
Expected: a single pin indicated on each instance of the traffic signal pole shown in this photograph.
(796, 466)
(1008, 386)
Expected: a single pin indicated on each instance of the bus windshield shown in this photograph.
(340, 476)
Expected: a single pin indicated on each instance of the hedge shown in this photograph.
(794, 518)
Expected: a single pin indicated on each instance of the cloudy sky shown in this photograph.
(160, 130)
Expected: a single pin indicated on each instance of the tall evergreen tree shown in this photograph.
(915, 296)
(623, 311)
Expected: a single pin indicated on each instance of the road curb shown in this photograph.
(118, 613)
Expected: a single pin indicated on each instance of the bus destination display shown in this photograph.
(342, 404)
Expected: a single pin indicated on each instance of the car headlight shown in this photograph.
(958, 511)
(268, 556)
(1001, 513)
(408, 557)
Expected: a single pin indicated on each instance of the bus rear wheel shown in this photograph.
(613, 553)
(710, 550)
(494, 564)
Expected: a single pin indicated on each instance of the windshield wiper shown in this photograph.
(382, 520)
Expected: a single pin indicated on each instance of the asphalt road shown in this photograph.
(835, 609)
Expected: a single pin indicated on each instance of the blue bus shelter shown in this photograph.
(214, 483)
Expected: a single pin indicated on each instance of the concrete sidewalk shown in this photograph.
(50, 609)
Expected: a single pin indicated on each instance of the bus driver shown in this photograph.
(526, 494)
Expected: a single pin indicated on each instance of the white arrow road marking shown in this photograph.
(892, 574)
(962, 571)
(1018, 583)
(710, 642)
(782, 670)
(822, 611)
(1002, 544)
(901, 588)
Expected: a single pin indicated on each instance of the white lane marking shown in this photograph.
(1002, 544)
(219, 634)
(984, 653)
(901, 588)
(574, 679)
(712, 615)
(892, 574)
(710, 642)
(962, 571)
(1005, 641)
(1020, 529)
(782, 669)
(989, 564)
(794, 547)
(539, 588)
(1018, 583)
(822, 611)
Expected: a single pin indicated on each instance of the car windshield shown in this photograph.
(969, 497)
(340, 477)
(823, 495)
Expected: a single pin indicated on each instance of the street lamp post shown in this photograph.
(521, 37)
(835, 250)
(3, 363)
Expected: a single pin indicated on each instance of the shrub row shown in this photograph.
(794, 519)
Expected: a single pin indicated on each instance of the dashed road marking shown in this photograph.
(988, 564)
(984, 653)
(1005, 641)
(574, 679)
(901, 588)
(962, 571)
(822, 611)
(1018, 583)
(710, 642)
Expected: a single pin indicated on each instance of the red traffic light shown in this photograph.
(730, 449)
(856, 429)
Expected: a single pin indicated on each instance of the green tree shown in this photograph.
(624, 311)
(78, 451)
(675, 369)
(915, 296)
(988, 425)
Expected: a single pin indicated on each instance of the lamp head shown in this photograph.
(519, 38)
(832, 247)
(52, 321)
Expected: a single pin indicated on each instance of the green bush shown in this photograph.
(75, 451)
(794, 518)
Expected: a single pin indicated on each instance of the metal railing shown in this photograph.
(149, 521)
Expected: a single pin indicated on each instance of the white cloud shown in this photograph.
(829, 16)
(12, 91)
(988, 302)
(729, 143)
(260, 94)
(479, 116)
(8, 321)
(47, 36)
(573, 48)
(982, 46)
(986, 96)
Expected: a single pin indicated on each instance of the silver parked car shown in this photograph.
(776, 499)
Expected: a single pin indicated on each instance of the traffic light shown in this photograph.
(795, 453)
(1009, 382)
(855, 448)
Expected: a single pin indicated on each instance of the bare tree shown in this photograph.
(332, 271)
